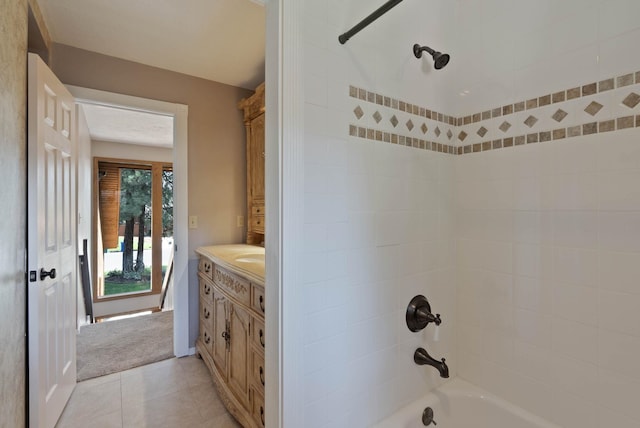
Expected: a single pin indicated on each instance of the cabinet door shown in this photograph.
(239, 352)
(219, 309)
(256, 166)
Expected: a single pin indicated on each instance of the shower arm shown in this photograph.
(343, 38)
(417, 50)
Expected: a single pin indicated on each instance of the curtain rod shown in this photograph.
(343, 38)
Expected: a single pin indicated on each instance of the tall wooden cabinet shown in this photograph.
(254, 110)
(232, 335)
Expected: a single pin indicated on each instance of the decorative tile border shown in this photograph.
(395, 104)
(614, 105)
(396, 117)
(401, 140)
(590, 128)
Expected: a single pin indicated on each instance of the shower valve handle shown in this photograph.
(419, 314)
(430, 317)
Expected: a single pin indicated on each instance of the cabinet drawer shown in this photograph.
(257, 301)
(206, 291)
(205, 267)
(257, 407)
(257, 209)
(258, 334)
(206, 338)
(232, 284)
(257, 372)
(258, 223)
(206, 315)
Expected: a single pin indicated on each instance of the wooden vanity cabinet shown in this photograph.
(231, 340)
(254, 121)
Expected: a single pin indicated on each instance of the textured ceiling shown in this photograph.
(122, 125)
(219, 40)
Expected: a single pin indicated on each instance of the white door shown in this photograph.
(51, 218)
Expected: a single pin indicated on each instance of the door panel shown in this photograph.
(50, 163)
(238, 372)
(257, 158)
(67, 215)
(219, 327)
(51, 222)
(69, 320)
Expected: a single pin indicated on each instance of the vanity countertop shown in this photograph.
(244, 260)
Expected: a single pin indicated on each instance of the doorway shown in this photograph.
(178, 115)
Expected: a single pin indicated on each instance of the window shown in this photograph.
(133, 227)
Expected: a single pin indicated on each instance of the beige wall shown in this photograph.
(13, 49)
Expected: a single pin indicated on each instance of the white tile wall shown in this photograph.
(575, 297)
(575, 222)
(531, 254)
(378, 227)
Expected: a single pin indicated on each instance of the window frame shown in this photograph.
(156, 169)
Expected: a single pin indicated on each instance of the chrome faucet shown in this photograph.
(422, 357)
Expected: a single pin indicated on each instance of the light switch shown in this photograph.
(193, 222)
(240, 221)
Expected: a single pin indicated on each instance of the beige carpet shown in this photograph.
(114, 346)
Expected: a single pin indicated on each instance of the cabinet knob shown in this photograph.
(262, 415)
(262, 303)
(261, 375)
(262, 338)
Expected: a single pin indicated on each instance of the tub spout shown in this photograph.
(422, 357)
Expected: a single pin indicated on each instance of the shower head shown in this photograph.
(439, 59)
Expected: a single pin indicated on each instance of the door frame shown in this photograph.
(284, 198)
(180, 114)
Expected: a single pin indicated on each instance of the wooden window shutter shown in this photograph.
(109, 204)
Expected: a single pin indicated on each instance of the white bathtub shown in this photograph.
(459, 404)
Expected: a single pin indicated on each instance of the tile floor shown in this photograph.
(172, 393)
